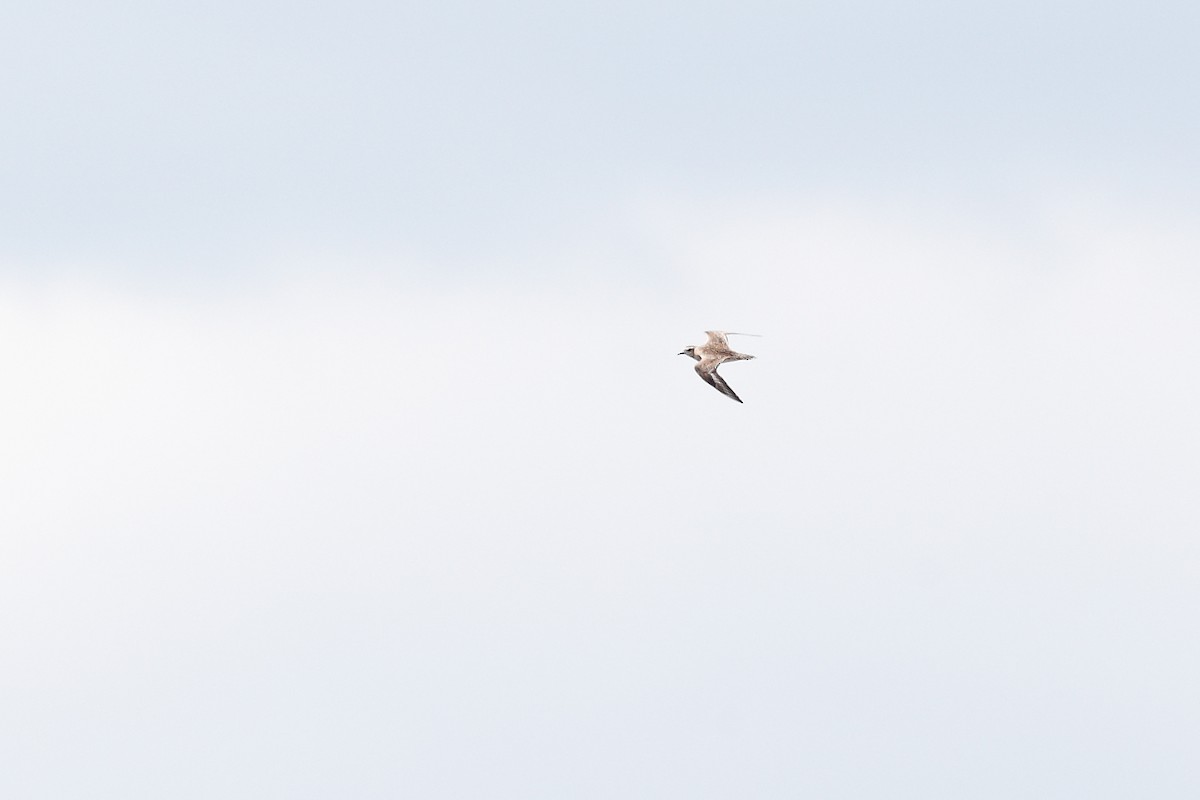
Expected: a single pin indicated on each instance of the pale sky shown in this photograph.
(345, 450)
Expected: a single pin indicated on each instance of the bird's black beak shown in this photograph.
(684, 353)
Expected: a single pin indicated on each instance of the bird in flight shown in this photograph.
(714, 353)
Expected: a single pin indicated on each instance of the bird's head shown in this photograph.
(691, 351)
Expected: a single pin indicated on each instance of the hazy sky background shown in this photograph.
(345, 450)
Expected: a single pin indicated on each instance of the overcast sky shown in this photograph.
(345, 450)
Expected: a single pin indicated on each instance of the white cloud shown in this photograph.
(396, 529)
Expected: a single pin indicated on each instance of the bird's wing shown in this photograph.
(707, 369)
(723, 387)
(717, 338)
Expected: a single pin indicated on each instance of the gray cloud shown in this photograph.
(172, 145)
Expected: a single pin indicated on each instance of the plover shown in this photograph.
(714, 353)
